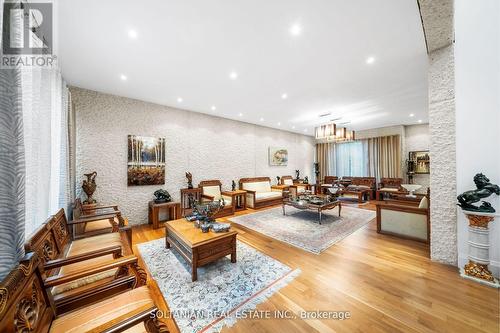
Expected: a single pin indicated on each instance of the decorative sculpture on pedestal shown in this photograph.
(162, 196)
(89, 187)
(306, 180)
(297, 174)
(233, 186)
(189, 178)
(479, 217)
(278, 180)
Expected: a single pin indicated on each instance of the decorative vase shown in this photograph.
(89, 185)
(479, 249)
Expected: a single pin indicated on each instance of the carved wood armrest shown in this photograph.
(115, 250)
(208, 197)
(93, 218)
(404, 208)
(227, 194)
(145, 314)
(115, 207)
(122, 263)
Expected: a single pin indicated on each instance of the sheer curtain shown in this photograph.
(45, 116)
(350, 159)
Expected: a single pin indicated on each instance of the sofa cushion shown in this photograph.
(389, 189)
(268, 195)
(227, 200)
(288, 181)
(91, 317)
(87, 245)
(213, 191)
(264, 186)
(99, 225)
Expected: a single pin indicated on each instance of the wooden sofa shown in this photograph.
(62, 256)
(360, 188)
(388, 185)
(327, 182)
(260, 193)
(293, 186)
(101, 219)
(405, 219)
(26, 306)
(212, 190)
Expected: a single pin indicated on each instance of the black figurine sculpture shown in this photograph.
(484, 190)
(306, 180)
(233, 185)
(278, 180)
(189, 177)
(297, 174)
(162, 196)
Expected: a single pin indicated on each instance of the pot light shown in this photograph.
(295, 29)
(213, 108)
(261, 119)
(123, 77)
(420, 120)
(233, 75)
(412, 115)
(284, 96)
(305, 129)
(179, 99)
(370, 60)
(240, 114)
(279, 124)
(132, 34)
(293, 127)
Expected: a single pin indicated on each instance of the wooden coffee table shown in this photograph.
(304, 204)
(199, 248)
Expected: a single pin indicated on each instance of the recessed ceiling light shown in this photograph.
(293, 127)
(261, 119)
(420, 120)
(412, 115)
(179, 99)
(240, 114)
(132, 34)
(295, 29)
(213, 108)
(233, 75)
(370, 60)
(123, 77)
(279, 124)
(284, 96)
(305, 129)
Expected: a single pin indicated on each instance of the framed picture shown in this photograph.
(278, 156)
(420, 161)
(146, 160)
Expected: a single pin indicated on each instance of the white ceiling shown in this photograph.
(188, 49)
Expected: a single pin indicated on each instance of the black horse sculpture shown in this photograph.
(484, 190)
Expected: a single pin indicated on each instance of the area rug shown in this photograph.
(224, 291)
(301, 229)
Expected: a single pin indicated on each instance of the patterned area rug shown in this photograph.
(223, 292)
(301, 229)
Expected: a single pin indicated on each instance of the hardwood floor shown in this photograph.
(387, 284)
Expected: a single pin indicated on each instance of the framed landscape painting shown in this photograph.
(146, 160)
(278, 156)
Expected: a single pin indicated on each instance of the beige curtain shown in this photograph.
(384, 156)
(324, 156)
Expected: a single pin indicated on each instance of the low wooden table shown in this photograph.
(174, 211)
(304, 204)
(199, 248)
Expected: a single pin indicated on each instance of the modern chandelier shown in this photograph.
(331, 133)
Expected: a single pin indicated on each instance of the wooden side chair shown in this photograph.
(388, 185)
(99, 219)
(327, 183)
(212, 190)
(63, 258)
(294, 187)
(26, 306)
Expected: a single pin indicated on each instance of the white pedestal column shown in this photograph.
(479, 249)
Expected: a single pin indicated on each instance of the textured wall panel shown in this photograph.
(209, 147)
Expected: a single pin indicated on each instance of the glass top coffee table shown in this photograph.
(317, 203)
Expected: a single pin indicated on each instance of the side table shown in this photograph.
(174, 210)
(239, 198)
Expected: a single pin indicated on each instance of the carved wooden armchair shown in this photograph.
(328, 182)
(360, 188)
(96, 220)
(26, 306)
(212, 190)
(294, 187)
(388, 185)
(64, 258)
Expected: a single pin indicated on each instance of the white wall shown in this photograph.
(477, 72)
(209, 147)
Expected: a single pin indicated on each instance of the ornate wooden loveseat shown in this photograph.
(360, 188)
(294, 187)
(388, 185)
(26, 306)
(64, 259)
(260, 193)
